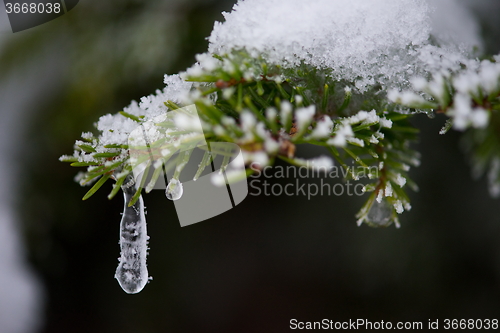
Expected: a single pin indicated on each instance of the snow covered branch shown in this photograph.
(346, 75)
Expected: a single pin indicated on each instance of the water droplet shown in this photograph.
(380, 214)
(174, 189)
(132, 273)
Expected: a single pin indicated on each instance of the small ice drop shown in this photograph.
(380, 214)
(174, 189)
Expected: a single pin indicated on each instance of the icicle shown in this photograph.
(174, 189)
(132, 273)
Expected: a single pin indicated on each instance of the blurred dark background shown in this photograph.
(257, 266)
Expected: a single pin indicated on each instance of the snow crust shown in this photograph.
(362, 41)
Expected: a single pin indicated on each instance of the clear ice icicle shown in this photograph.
(132, 273)
(174, 189)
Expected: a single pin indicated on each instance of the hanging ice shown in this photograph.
(132, 273)
(174, 189)
(380, 214)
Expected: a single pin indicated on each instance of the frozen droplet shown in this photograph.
(380, 214)
(132, 273)
(174, 189)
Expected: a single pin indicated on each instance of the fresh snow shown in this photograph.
(361, 41)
